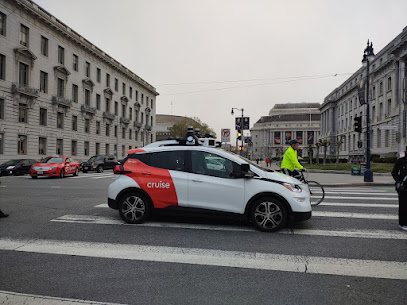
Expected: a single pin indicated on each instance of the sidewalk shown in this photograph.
(330, 178)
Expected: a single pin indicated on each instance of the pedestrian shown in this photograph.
(267, 162)
(399, 174)
(2, 215)
(257, 160)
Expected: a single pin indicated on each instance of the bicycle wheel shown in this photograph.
(317, 192)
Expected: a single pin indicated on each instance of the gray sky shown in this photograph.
(235, 53)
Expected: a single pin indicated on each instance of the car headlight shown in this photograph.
(292, 187)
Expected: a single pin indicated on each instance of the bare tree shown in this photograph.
(339, 142)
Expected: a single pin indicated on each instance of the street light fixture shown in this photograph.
(368, 56)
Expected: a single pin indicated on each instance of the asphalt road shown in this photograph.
(62, 241)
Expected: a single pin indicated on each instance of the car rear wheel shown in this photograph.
(268, 214)
(62, 174)
(99, 169)
(76, 172)
(134, 208)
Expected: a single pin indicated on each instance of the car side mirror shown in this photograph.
(245, 171)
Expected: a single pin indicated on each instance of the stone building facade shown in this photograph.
(271, 134)
(60, 94)
(387, 104)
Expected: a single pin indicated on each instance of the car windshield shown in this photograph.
(11, 162)
(54, 160)
(92, 159)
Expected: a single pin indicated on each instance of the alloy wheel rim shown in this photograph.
(268, 215)
(133, 208)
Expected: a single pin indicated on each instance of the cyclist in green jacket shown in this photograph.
(290, 160)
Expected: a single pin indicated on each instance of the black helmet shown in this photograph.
(294, 141)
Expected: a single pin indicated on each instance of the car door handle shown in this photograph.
(146, 173)
(197, 180)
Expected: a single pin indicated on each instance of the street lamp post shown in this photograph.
(241, 127)
(368, 56)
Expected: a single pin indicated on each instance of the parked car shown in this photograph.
(56, 166)
(99, 163)
(16, 167)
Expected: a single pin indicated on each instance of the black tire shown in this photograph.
(268, 214)
(100, 169)
(317, 192)
(134, 208)
(34, 177)
(76, 172)
(62, 173)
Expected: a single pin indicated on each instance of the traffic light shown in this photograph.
(241, 148)
(239, 134)
(358, 123)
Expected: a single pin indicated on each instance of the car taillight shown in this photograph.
(119, 170)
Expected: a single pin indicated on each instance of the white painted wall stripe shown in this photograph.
(195, 256)
(9, 297)
(378, 234)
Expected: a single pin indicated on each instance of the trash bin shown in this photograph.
(362, 167)
(355, 168)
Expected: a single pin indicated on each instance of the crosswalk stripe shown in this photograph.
(208, 257)
(379, 234)
(362, 198)
(94, 176)
(352, 204)
(353, 215)
(367, 193)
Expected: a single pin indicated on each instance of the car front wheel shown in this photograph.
(268, 214)
(134, 208)
(99, 169)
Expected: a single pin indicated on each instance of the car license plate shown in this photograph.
(39, 173)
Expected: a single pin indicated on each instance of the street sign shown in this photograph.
(225, 135)
(238, 123)
(388, 127)
(246, 123)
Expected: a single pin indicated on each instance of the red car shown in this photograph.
(57, 166)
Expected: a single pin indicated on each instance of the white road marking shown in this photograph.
(395, 199)
(207, 257)
(354, 204)
(379, 234)
(353, 215)
(8, 297)
(361, 193)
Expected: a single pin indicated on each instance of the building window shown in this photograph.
(60, 87)
(152, 124)
(97, 127)
(22, 145)
(23, 113)
(115, 131)
(87, 125)
(74, 147)
(107, 80)
(136, 95)
(97, 149)
(131, 92)
(60, 120)
(115, 149)
(380, 88)
(42, 146)
(2, 67)
(152, 103)
(75, 93)
(389, 83)
(379, 138)
(60, 147)
(61, 55)
(24, 35)
(43, 82)
(87, 69)
(116, 108)
(131, 113)
(123, 150)
(23, 74)
(142, 98)
(116, 84)
(43, 116)
(98, 101)
(1, 143)
(107, 105)
(136, 135)
(86, 146)
(130, 134)
(75, 62)
(124, 111)
(123, 133)
(124, 89)
(44, 46)
(389, 106)
(98, 75)
(142, 118)
(1, 109)
(107, 130)
(2, 24)
(87, 97)
(107, 149)
(74, 123)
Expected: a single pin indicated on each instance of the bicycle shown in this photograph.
(316, 190)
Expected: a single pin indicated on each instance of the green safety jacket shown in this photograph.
(290, 160)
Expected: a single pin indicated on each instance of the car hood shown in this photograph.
(47, 164)
(281, 177)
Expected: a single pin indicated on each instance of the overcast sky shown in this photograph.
(205, 57)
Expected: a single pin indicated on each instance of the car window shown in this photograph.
(205, 163)
(171, 160)
(11, 162)
(55, 160)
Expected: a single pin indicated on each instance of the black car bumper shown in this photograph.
(112, 203)
(300, 216)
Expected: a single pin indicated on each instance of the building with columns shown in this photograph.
(60, 94)
(271, 134)
(387, 102)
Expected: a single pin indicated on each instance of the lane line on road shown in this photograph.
(102, 220)
(207, 257)
(9, 297)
